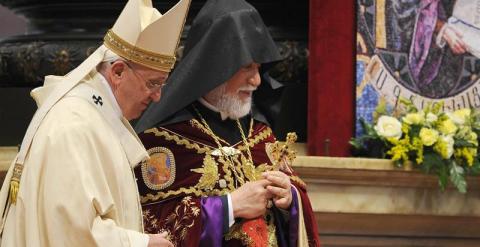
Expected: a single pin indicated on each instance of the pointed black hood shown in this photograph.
(225, 36)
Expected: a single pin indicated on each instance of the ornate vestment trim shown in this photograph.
(187, 191)
(181, 140)
(298, 180)
(159, 171)
(201, 148)
(263, 134)
(209, 171)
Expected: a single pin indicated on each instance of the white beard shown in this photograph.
(231, 105)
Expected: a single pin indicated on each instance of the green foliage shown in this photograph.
(457, 177)
(463, 143)
(414, 130)
(430, 160)
(442, 172)
(408, 104)
(475, 168)
(380, 110)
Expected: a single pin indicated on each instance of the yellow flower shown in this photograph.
(400, 149)
(444, 146)
(389, 127)
(460, 116)
(472, 138)
(414, 118)
(428, 136)
(467, 153)
(473, 151)
(418, 146)
(399, 152)
(405, 128)
(447, 127)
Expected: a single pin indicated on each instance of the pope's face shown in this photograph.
(137, 86)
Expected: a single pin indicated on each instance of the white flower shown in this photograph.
(459, 117)
(389, 127)
(449, 140)
(446, 146)
(431, 117)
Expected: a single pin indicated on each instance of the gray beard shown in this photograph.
(231, 105)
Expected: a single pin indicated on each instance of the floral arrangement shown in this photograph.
(444, 143)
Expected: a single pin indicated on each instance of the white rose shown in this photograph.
(389, 127)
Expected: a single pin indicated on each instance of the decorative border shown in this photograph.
(187, 191)
(196, 124)
(298, 180)
(136, 54)
(262, 135)
(180, 140)
(173, 168)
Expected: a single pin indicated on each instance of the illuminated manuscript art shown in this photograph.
(421, 50)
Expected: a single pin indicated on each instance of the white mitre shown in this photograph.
(151, 38)
(141, 34)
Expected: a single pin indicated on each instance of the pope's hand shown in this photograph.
(159, 240)
(280, 188)
(250, 200)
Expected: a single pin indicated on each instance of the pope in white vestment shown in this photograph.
(72, 182)
(78, 187)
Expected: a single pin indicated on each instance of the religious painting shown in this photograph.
(422, 50)
(158, 172)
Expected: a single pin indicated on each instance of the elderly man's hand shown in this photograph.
(250, 200)
(280, 188)
(159, 240)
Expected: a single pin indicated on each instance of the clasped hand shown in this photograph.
(251, 199)
(280, 188)
(159, 240)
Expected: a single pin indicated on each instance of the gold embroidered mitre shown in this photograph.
(143, 35)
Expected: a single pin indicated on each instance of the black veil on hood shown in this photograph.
(225, 36)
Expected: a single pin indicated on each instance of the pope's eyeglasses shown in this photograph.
(153, 85)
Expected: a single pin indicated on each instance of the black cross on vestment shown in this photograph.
(97, 100)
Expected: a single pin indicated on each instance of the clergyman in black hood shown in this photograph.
(210, 180)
